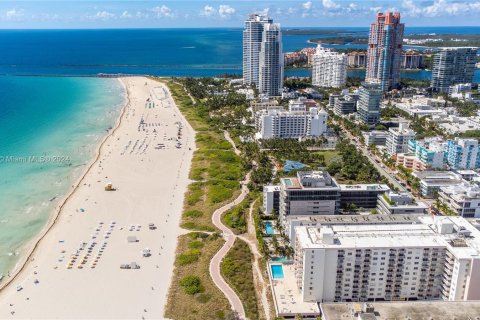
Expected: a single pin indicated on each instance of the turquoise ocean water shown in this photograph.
(49, 130)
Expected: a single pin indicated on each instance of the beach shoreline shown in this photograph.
(139, 171)
(30, 247)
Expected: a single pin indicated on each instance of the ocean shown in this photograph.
(162, 52)
(49, 129)
(64, 117)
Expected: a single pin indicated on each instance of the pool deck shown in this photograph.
(287, 297)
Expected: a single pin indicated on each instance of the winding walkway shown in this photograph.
(250, 239)
(229, 236)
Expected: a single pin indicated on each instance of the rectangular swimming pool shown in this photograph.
(277, 271)
(268, 228)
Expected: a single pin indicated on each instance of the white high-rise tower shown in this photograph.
(329, 68)
(262, 54)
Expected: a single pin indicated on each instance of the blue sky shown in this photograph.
(217, 13)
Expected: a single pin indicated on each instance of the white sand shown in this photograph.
(151, 186)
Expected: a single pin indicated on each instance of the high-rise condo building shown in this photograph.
(451, 66)
(428, 258)
(368, 105)
(329, 68)
(271, 61)
(384, 55)
(262, 54)
(252, 41)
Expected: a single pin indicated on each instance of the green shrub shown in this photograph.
(194, 226)
(195, 244)
(193, 213)
(191, 284)
(188, 257)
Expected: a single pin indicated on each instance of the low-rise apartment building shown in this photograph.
(375, 137)
(309, 193)
(397, 139)
(463, 199)
(361, 195)
(424, 155)
(399, 203)
(463, 153)
(432, 181)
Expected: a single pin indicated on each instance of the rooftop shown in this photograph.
(430, 231)
(438, 310)
(271, 188)
(438, 178)
(309, 180)
(363, 187)
(359, 219)
(462, 192)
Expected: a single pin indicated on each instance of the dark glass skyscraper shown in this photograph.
(452, 66)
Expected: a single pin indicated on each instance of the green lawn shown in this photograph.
(237, 270)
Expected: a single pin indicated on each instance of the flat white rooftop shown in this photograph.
(421, 234)
(363, 187)
(271, 188)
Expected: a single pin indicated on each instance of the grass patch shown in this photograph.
(193, 300)
(236, 217)
(188, 257)
(237, 270)
(191, 225)
(193, 213)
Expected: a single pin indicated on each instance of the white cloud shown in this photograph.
(208, 11)
(14, 14)
(126, 15)
(225, 11)
(410, 8)
(351, 7)
(291, 10)
(163, 12)
(103, 15)
(141, 15)
(264, 12)
(307, 5)
(375, 9)
(330, 4)
(440, 8)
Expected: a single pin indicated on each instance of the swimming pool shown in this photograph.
(280, 259)
(268, 228)
(277, 271)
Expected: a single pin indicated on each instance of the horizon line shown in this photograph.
(226, 27)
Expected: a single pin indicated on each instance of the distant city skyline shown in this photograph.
(37, 14)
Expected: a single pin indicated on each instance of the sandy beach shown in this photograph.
(75, 271)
